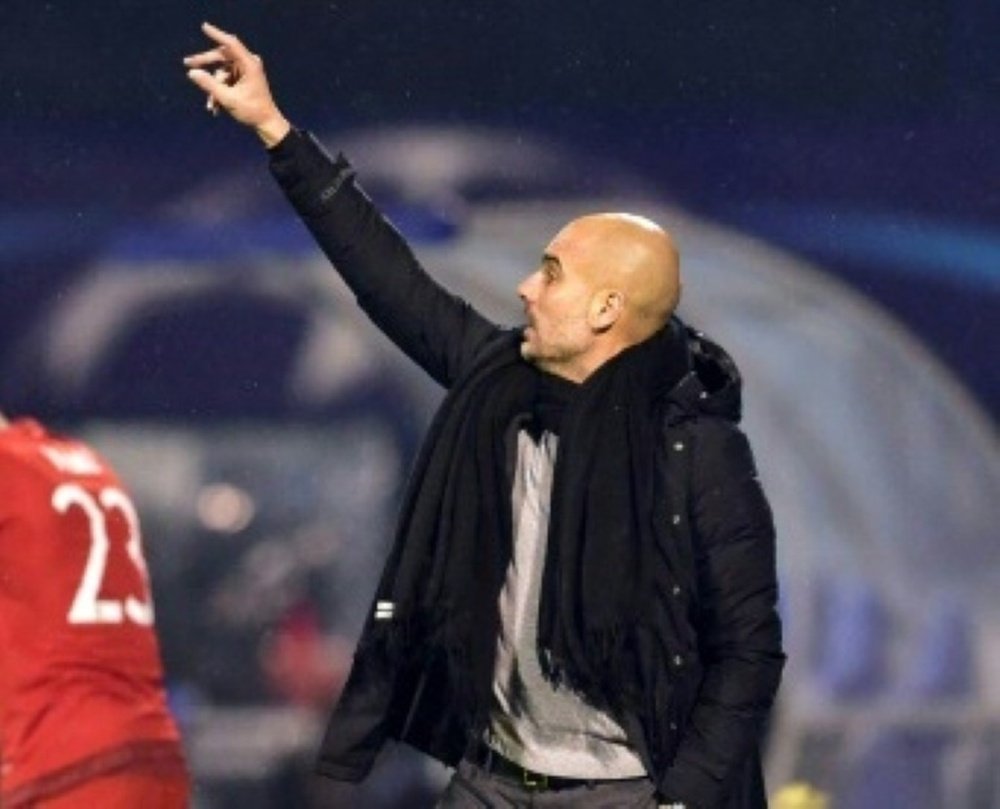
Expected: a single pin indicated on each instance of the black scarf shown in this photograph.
(454, 537)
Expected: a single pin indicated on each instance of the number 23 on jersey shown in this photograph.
(87, 606)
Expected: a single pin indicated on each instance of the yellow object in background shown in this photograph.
(799, 795)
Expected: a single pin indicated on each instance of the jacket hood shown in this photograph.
(714, 385)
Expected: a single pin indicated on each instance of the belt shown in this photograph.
(488, 759)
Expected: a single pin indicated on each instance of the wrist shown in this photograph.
(273, 130)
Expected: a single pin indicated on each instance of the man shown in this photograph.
(579, 609)
(83, 716)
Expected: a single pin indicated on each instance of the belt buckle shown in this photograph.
(534, 781)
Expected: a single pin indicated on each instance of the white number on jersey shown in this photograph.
(88, 607)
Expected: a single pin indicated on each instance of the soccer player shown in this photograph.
(83, 714)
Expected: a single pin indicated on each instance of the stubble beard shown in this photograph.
(533, 356)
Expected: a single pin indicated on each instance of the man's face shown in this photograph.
(556, 300)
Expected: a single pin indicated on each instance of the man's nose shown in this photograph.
(525, 287)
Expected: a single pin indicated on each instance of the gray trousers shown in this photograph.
(472, 787)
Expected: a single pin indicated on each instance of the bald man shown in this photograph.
(579, 608)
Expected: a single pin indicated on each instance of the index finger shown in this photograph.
(206, 58)
(239, 52)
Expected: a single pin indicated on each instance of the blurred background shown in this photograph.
(832, 171)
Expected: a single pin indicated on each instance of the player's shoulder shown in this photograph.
(26, 444)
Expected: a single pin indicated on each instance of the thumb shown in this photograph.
(217, 89)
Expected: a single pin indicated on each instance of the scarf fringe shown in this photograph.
(598, 679)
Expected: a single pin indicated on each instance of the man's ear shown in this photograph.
(606, 307)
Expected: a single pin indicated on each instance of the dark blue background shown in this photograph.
(865, 135)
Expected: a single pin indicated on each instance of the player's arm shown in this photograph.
(438, 330)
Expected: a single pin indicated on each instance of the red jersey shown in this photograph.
(81, 689)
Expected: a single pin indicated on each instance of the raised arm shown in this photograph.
(438, 330)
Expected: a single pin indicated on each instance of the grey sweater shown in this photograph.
(534, 723)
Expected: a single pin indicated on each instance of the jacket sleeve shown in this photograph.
(739, 632)
(439, 331)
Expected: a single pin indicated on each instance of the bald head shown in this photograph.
(631, 255)
(606, 282)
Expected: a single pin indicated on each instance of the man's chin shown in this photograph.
(530, 352)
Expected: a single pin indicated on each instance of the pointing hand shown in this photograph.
(237, 83)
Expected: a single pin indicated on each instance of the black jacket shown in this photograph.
(702, 746)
